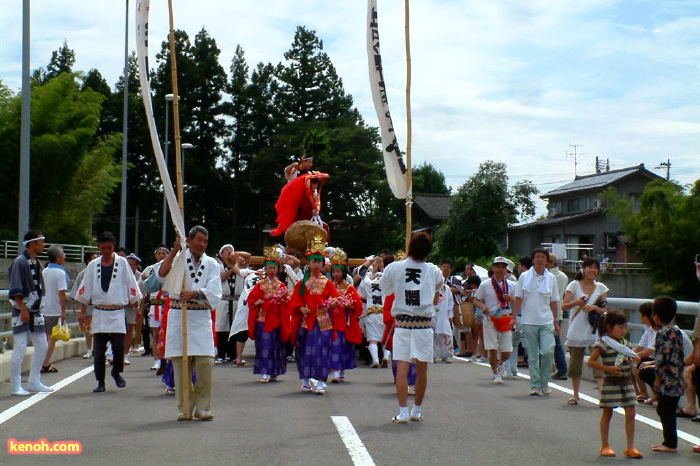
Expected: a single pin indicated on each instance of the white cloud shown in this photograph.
(510, 81)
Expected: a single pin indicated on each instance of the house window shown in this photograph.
(636, 203)
(573, 205)
(610, 241)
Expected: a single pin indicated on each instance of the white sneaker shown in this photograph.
(481, 359)
(88, 355)
(497, 379)
(40, 388)
(127, 362)
(20, 392)
(473, 359)
(545, 391)
(502, 372)
(218, 361)
(155, 366)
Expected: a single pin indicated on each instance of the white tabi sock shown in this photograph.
(415, 411)
(374, 351)
(403, 411)
(387, 354)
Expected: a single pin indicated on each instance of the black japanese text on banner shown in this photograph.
(393, 160)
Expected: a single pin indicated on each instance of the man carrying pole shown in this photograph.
(203, 285)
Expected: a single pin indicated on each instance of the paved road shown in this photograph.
(467, 421)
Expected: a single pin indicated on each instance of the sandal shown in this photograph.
(399, 420)
(634, 454)
(573, 401)
(48, 369)
(683, 414)
(241, 364)
(696, 448)
(641, 399)
(607, 452)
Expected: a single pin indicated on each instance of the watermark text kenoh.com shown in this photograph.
(43, 447)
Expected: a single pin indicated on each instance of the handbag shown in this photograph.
(502, 323)
(594, 317)
(467, 310)
(60, 332)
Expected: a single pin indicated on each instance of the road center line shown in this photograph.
(32, 400)
(359, 454)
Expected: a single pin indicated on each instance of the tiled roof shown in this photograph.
(558, 220)
(598, 181)
(436, 206)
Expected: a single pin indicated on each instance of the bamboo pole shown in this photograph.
(409, 194)
(186, 380)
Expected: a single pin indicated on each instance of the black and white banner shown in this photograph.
(393, 160)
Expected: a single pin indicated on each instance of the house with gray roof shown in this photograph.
(575, 215)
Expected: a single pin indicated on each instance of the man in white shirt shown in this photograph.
(536, 294)
(54, 302)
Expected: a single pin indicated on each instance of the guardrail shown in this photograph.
(74, 252)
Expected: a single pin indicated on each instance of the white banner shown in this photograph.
(173, 283)
(393, 160)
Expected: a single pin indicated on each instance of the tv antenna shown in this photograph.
(575, 155)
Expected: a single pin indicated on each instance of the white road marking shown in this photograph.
(359, 454)
(643, 419)
(34, 399)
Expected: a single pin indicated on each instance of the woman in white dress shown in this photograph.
(583, 295)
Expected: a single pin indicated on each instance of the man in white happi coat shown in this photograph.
(239, 327)
(372, 319)
(203, 293)
(415, 284)
(109, 285)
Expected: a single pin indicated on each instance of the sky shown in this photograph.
(523, 82)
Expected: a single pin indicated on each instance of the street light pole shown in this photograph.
(25, 133)
(168, 98)
(184, 146)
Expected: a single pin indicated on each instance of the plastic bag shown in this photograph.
(60, 332)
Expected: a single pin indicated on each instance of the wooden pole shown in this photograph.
(186, 380)
(409, 195)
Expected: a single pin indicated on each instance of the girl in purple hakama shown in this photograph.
(312, 325)
(268, 320)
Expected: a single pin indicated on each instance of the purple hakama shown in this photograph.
(270, 352)
(313, 353)
(342, 353)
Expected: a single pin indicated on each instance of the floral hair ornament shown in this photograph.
(273, 255)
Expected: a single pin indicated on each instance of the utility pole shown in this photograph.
(576, 155)
(666, 164)
(25, 131)
(125, 131)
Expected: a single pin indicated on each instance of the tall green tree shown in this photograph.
(428, 180)
(481, 212)
(62, 61)
(66, 159)
(665, 234)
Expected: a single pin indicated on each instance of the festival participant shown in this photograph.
(225, 349)
(442, 325)
(239, 327)
(312, 325)
(584, 295)
(415, 284)
(617, 388)
(87, 324)
(536, 294)
(296, 169)
(300, 199)
(26, 290)
(203, 292)
(345, 319)
(388, 342)
(53, 306)
(155, 301)
(110, 286)
(268, 320)
(494, 298)
(372, 320)
(132, 313)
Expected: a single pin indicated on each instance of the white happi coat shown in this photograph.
(200, 341)
(123, 291)
(240, 320)
(443, 312)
